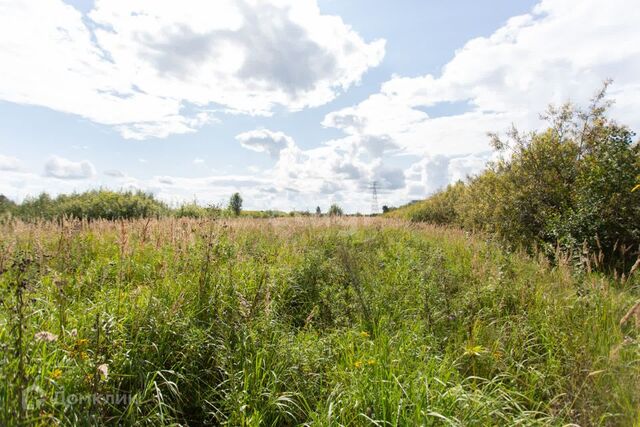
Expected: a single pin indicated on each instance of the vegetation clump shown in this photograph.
(566, 189)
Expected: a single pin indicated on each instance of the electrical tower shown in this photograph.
(374, 198)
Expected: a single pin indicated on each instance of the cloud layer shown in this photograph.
(153, 68)
(562, 50)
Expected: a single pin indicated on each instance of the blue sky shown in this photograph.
(292, 103)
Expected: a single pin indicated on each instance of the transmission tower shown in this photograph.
(374, 197)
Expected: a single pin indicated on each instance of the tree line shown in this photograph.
(114, 205)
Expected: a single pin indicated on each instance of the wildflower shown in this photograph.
(371, 362)
(82, 341)
(104, 371)
(364, 334)
(45, 336)
(474, 350)
(57, 373)
(84, 355)
(358, 364)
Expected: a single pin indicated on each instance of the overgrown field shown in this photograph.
(317, 321)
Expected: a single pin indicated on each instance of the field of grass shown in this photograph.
(316, 321)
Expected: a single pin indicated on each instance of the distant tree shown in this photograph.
(318, 211)
(335, 210)
(6, 205)
(385, 209)
(235, 204)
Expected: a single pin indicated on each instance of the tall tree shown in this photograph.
(235, 204)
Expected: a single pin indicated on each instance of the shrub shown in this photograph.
(193, 210)
(335, 210)
(567, 186)
(93, 205)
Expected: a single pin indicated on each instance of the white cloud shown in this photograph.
(265, 140)
(8, 163)
(152, 68)
(435, 172)
(198, 161)
(61, 168)
(562, 50)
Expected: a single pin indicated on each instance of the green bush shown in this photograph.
(93, 204)
(335, 210)
(566, 187)
(193, 210)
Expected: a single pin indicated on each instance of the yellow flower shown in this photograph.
(474, 350)
(84, 355)
(371, 362)
(57, 373)
(358, 364)
(364, 334)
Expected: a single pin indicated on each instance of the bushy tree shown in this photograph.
(567, 186)
(6, 205)
(335, 210)
(235, 204)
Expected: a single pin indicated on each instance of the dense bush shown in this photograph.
(568, 187)
(92, 205)
(194, 210)
(7, 206)
(335, 210)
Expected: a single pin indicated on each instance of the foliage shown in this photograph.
(567, 187)
(7, 206)
(194, 210)
(235, 204)
(92, 205)
(304, 321)
(335, 210)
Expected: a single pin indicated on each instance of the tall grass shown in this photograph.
(294, 321)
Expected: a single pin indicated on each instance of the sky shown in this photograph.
(293, 103)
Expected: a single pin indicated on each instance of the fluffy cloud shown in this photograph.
(548, 55)
(8, 163)
(435, 172)
(264, 140)
(153, 68)
(61, 168)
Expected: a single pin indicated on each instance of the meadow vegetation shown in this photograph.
(305, 321)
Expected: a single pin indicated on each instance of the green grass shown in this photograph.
(317, 321)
